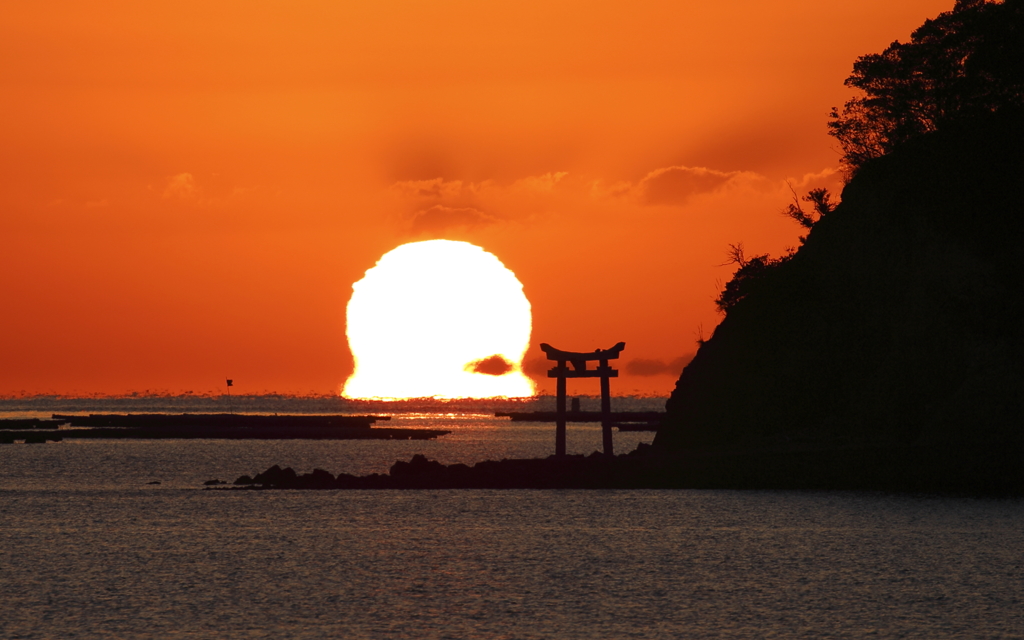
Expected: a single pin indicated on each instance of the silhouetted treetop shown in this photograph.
(821, 205)
(750, 275)
(965, 62)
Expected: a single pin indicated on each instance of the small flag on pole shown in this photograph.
(230, 382)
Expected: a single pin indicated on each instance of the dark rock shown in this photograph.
(275, 476)
(417, 467)
(318, 479)
(210, 483)
(904, 468)
(898, 323)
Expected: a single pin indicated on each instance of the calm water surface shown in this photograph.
(89, 550)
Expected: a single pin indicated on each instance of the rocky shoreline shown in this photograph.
(971, 469)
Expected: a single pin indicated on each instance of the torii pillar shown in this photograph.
(579, 370)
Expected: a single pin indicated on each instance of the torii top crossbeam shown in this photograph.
(579, 362)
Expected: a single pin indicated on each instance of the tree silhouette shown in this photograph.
(821, 206)
(963, 63)
(751, 273)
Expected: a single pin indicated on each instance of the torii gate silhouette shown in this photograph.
(579, 370)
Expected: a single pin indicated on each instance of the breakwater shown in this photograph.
(582, 416)
(210, 426)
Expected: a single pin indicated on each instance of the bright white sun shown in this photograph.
(439, 319)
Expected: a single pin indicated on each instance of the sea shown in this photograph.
(122, 539)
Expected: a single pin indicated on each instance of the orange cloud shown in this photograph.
(540, 184)
(439, 218)
(649, 367)
(676, 185)
(436, 189)
(537, 367)
(182, 186)
(493, 366)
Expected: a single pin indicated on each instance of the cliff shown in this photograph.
(900, 321)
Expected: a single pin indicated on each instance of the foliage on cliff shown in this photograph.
(964, 63)
(900, 318)
(752, 273)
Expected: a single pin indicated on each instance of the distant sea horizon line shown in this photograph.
(42, 405)
(296, 396)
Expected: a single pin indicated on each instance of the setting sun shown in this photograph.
(438, 319)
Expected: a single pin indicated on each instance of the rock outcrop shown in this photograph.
(975, 470)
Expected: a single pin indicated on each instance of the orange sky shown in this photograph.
(189, 189)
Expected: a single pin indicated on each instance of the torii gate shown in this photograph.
(579, 370)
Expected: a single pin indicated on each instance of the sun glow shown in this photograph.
(438, 319)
